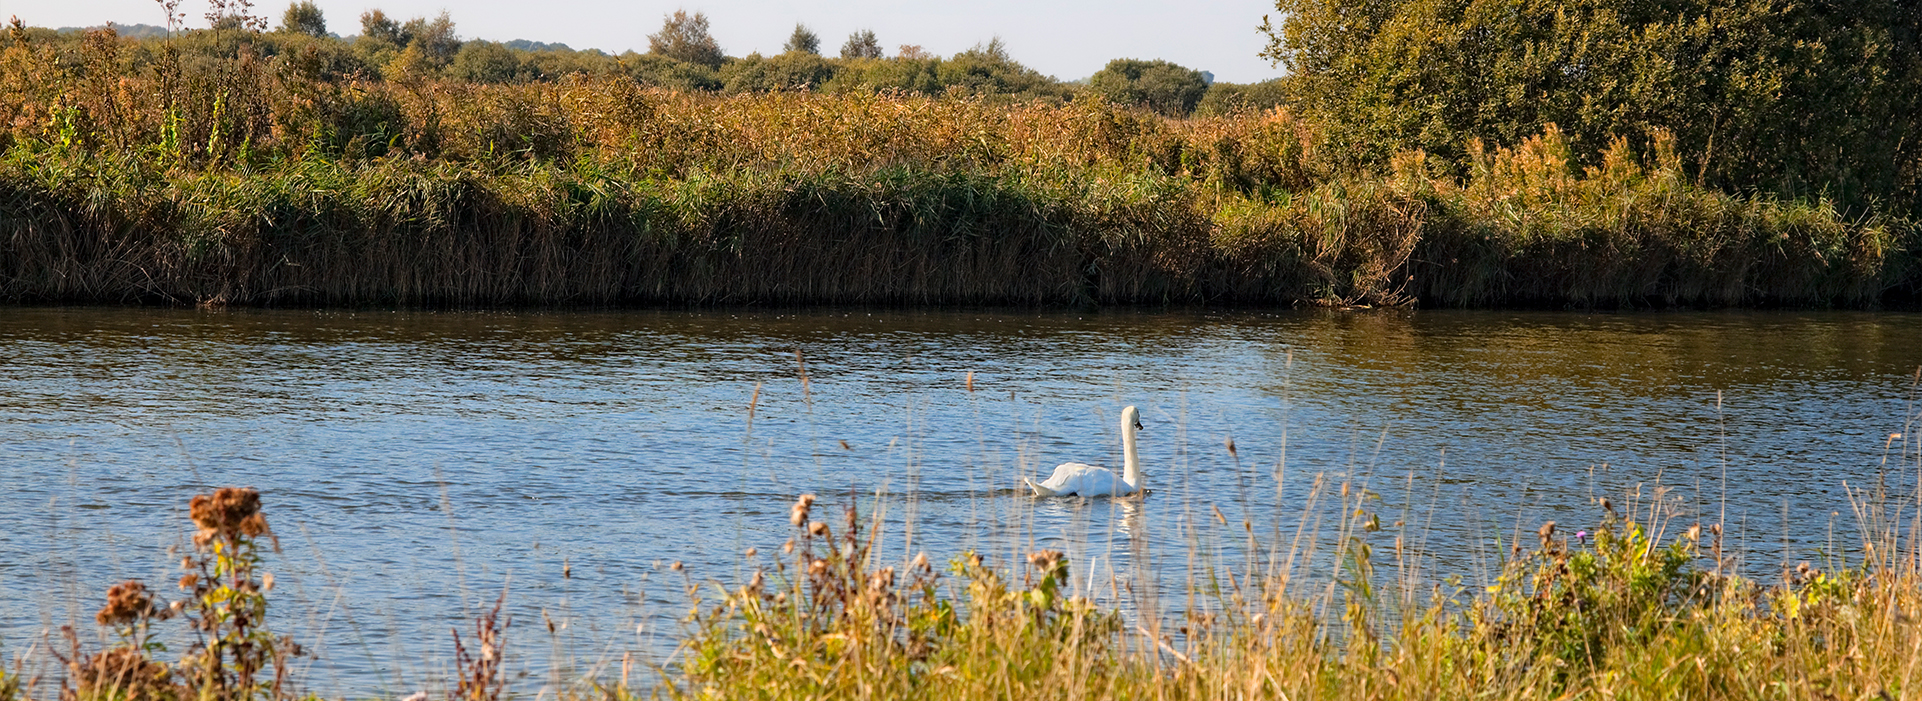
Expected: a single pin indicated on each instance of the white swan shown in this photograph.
(1073, 478)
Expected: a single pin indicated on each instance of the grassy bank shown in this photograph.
(132, 174)
(1646, 606)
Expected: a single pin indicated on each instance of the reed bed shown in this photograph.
(131, 172)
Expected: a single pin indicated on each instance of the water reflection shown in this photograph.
(618, 442)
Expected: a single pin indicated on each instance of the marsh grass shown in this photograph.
(130, 172)
(1646, 606)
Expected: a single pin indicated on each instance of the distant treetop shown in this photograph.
(861, 44)
(684, 37)
(803, 40)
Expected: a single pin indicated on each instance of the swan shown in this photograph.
(1073, 478)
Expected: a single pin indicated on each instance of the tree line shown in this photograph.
(684, 55)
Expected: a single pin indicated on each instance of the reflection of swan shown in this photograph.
(1073, 478)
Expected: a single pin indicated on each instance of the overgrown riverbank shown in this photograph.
(249, 180)
(1648, 605)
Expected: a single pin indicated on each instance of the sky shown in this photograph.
(1067, 39)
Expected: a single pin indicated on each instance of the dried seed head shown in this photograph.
(229, 512)
(818, 529)
(751, 552)
(787, 548)
(882, 580)
(1547, 532)
(1693, 533)
(799, 514)
(676, 566)
(267, 581)
(1045, 560)
(126, 602)
(818, 567)
(920, 561)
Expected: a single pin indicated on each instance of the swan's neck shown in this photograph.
(1130, 461)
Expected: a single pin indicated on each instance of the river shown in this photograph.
(413, 464)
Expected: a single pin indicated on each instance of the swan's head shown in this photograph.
(1131, 418)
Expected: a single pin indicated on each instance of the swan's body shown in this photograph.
(1073, 478)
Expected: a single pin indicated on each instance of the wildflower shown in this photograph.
(1581, 537)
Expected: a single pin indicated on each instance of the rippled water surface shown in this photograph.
(414, 463)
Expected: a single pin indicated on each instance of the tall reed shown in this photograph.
(133, 172)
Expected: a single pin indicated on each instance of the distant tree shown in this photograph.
(435, 37)
(233, 14)
(485, 62)
(913, 52)
(304, 17)
(861, 44)
(375, 25)
(1157, 85)
(685, 38)
(802, 40)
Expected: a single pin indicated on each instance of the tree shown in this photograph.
(304, 17)
(377, 26)
(1157, 85)
(435, 37)
(685, 38)
(1798, 98)
(861, 44)
(802, 41)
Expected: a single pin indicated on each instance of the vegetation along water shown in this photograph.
(1612, 154)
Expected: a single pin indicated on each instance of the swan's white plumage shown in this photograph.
(1085, 480)
(1073, 478)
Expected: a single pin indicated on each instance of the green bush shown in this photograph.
(1157, 85)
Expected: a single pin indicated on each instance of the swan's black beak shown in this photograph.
(1138, 426)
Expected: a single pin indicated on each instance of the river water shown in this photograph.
(415, 463)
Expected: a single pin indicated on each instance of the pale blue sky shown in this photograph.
(1065, 38)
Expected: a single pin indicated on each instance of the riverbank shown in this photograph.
(1647, 605)
(603, 193)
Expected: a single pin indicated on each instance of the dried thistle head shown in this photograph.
(229, 512)
(1546, 532)
(818, 529)
(128, 602)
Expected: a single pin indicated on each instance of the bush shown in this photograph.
(486, 62)
(1230, 98)
(1157, 85)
